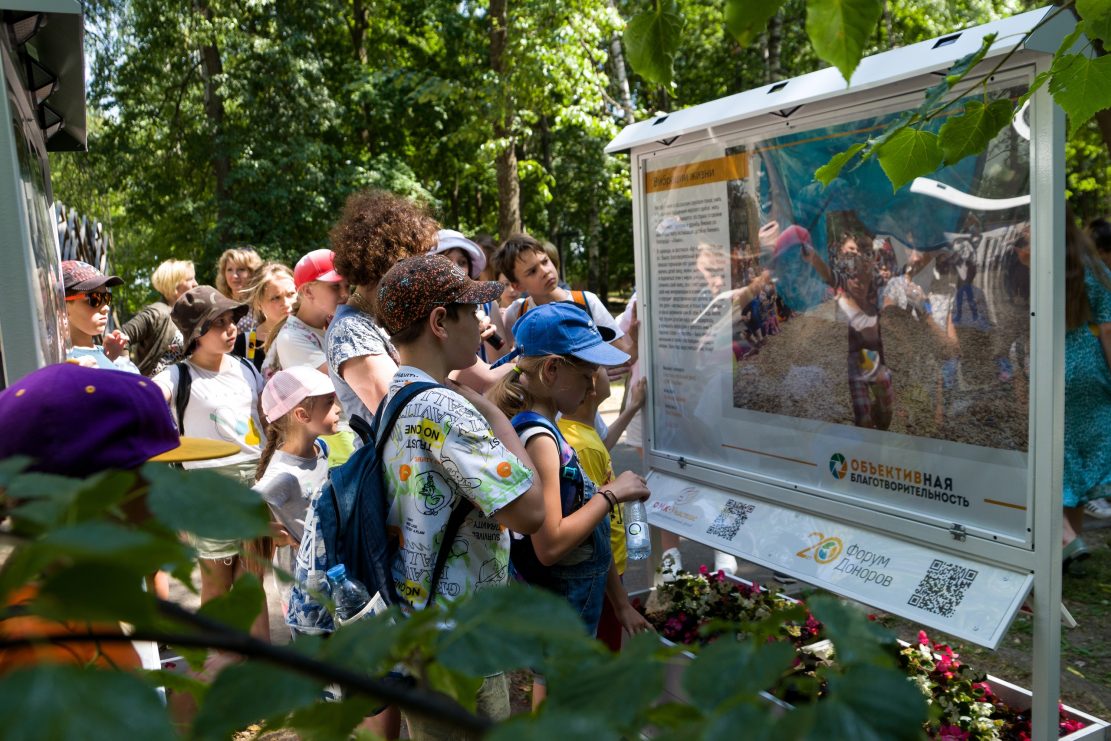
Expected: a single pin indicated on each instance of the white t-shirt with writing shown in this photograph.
(441, 449)
(222, 406)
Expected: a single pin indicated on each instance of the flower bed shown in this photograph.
(972, 705)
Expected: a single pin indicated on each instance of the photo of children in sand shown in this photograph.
(905, 312)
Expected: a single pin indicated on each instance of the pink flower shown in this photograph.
(703, 569)
(923, 640)
(952, 733)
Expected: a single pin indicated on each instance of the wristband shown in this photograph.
(610, 497)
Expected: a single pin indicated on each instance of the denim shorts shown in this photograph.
(583, 583)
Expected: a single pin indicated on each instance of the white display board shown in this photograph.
(944, 590)
(894, 372)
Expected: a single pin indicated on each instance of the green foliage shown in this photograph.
(908, 154)
(970, 132)
(747, 19)
(204, 503)
(1097, 18)
(651, 40)
(48, 701)
(839, 30)
(92, 570)
(1082, 86)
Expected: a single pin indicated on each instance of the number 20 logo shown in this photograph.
(824, 549)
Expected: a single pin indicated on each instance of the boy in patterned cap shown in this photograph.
(87, 302)
(450, 447)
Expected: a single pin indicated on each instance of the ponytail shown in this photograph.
(275, 436)
(511, 394)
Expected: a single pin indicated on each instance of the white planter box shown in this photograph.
(1015, 696)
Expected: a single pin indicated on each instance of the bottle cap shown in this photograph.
(337, 572)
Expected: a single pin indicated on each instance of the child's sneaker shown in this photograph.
(671, 563)
(724, 562)
(1099, 509)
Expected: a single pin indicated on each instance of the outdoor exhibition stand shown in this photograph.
(42, 110)
(886, 444)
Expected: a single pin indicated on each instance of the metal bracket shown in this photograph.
(682, 462)
(786, 112)
(958, 532)
(667, 142)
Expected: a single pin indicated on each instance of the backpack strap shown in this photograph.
(362, 428)
(323, 445)
(459, 512)
(181, 394)
(573, 496)
(579, 298)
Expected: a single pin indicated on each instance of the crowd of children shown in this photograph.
(504, 435)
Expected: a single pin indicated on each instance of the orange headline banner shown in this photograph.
(732, 167)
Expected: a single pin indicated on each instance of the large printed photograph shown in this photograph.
(905, 312)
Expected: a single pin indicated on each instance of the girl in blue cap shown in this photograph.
(559, 348)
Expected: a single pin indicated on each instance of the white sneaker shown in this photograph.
(671, 563)
(1099, 509)
(725, 562)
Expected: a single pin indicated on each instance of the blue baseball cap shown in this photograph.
(564, 328)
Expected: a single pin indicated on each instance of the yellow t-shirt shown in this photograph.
(596, 463)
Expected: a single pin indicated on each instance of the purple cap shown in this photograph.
(76, 421)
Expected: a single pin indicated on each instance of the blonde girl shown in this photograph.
(271, 297)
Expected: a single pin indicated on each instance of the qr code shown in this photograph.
(729, 520)
(942, 588)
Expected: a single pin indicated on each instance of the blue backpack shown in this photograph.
(572, 491)
(346, 523)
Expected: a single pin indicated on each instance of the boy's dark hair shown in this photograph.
(505, 259)
(413, 332)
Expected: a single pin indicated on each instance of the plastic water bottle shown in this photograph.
(638, 545)
(351, 598)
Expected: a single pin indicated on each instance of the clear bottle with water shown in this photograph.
(351, 598)
(638, 545)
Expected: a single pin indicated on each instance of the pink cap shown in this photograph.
(288, 388)
(317, 265)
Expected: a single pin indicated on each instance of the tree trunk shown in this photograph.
(546, 162)
(617, 58)
(594, 252)
(505, 162)
(358, 28)
(771, 51)
(888, 25)
(211, 68)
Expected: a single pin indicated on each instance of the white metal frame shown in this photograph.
(896, 73)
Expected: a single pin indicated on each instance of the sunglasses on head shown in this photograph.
(95, 300)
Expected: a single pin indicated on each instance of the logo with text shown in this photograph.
(838, 466)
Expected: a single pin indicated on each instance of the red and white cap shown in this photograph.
(288, 388)
(317, 265)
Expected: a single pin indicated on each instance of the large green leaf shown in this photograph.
(839, 30)
(240, 606)
(1081, 86)
(909, 153)
(965, 64)
(856, 639)
(459, 686)
(246, 693)
(652, 39)
(970, 132)
(366, 645)
(614, 688)
(830, 170)
(63, 702)
(751, 666)
(96, 591)
(140, 550)
(548, 724)
(747, 19)
(205, 503)
(1097, 18)
(43, 499)
(332, 721)
(500, 629)
(871, 703)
